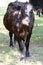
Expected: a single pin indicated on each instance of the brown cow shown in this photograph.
(19, 19)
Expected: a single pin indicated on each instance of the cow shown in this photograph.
(37, 3)
(39, 12)
(38, 6)
(19, 20)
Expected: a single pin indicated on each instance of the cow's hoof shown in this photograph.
(11, 45)
(27, 54)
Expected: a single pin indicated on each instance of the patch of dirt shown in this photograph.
(34, 45)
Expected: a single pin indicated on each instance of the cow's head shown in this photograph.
(28, 14)
(17, 15)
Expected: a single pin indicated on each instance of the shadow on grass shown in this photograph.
(7, 54)
(4, 44)
(3, 37)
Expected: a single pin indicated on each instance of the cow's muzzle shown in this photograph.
(26, 23)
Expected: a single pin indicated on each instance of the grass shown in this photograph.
(2, 10)
(11, 56)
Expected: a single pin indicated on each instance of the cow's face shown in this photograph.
(27, 14)
(24, 15)
(17, 17)
(17, 14)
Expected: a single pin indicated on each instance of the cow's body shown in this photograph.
(37, 4)
(19, 19)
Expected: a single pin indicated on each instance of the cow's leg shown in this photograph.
(15, 39)
(42, 13)
(38, 13)
(21, 46)
(27, 44)
(11, 42)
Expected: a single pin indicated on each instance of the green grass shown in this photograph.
(2, 10)
(10, 56)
